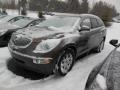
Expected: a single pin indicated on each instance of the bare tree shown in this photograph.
(12, 5)
(84, 6)
(73, 6)
(104, 11)
(22, 6)
(35, 5)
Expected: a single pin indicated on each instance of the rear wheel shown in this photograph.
(66, 61)
(100, 47)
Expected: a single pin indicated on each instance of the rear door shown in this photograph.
(96, 31)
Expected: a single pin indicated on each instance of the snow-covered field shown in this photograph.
(74, 80)
(30, 13)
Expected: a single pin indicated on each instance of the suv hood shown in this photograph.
(42, 32)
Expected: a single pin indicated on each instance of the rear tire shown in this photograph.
(100, 47)
(65, 62)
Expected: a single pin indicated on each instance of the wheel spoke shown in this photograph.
(101, 46)
(66, 62)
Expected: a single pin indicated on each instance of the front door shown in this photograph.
(84, 36)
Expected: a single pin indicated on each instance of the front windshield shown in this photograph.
(59, 22)
(6, 19)
(22, 22)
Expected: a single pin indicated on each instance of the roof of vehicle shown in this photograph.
(88, 15)
(76, 15)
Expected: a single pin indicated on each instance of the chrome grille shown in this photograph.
(21, 41)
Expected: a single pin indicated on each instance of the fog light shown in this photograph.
(36, 61)
(42, 61)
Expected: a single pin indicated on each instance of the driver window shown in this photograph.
(86, 22)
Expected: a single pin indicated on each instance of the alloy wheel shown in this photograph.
(66, 62)
(101, 46)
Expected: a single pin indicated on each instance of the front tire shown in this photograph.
(66, 61)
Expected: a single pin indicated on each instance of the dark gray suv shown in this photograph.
(54, 44)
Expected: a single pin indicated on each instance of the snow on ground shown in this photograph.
(30, 13)
(74, 80)
(114, 32)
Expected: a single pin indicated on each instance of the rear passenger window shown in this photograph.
(94, 23)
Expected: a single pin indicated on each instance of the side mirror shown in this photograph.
(114, 42)
(85, 28)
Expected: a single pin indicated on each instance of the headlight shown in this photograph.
(2, 32)
(46, 45)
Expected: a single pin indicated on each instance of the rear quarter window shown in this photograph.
(96, 23)
(100, 22)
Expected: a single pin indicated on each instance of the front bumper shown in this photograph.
(44, 65)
